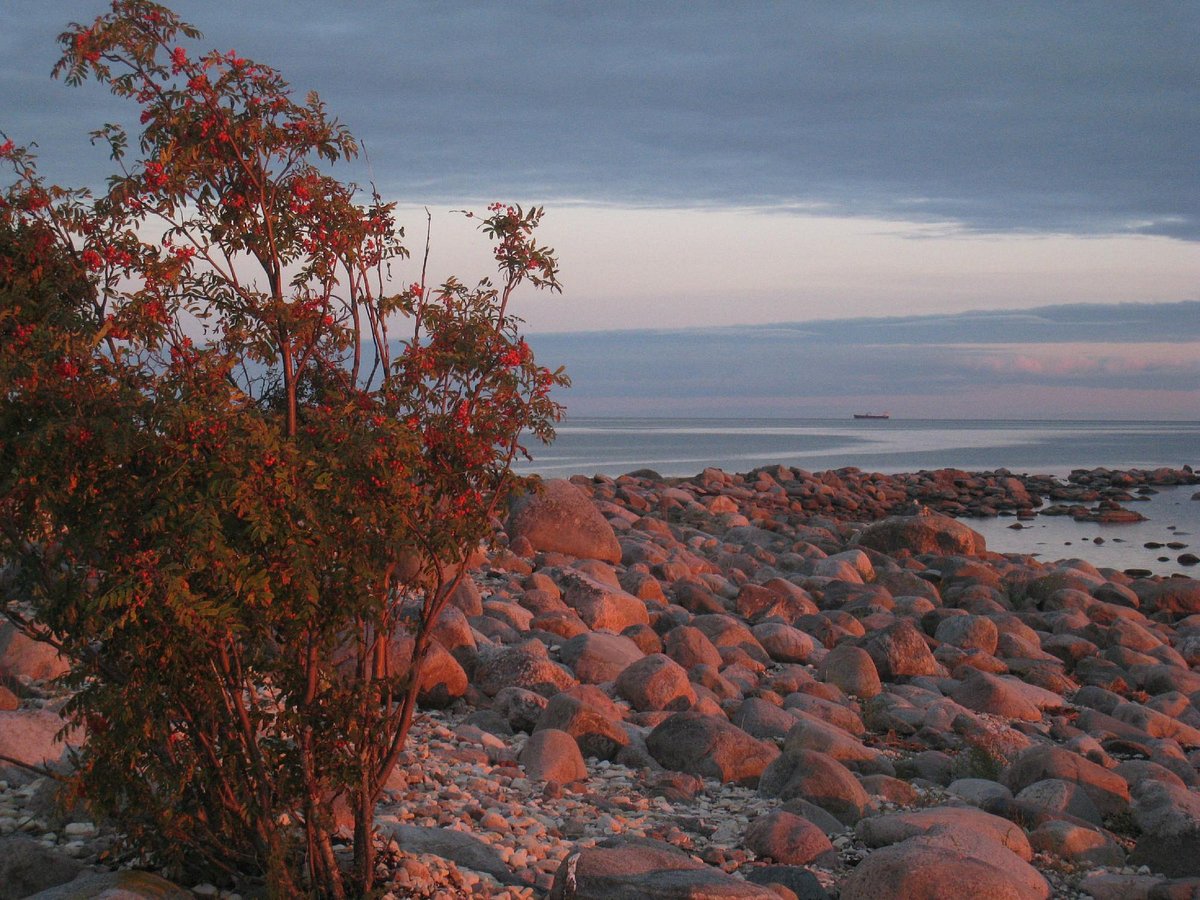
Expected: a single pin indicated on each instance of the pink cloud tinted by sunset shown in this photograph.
(1079, 359)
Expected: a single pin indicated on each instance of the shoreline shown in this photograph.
(782, 684)
(682, 446)
(1099, 495)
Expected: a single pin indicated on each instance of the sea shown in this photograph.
(685, 446)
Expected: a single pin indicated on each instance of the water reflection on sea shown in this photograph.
(1171, 517)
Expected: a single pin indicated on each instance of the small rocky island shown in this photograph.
(772, 685)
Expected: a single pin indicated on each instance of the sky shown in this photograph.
(708, 168)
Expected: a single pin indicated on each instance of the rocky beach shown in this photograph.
(778, 684)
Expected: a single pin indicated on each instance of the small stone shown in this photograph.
(493, 821)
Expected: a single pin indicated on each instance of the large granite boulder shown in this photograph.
(945, 865)
(899, 650)
(789, 839)
(596, 657)
(127, 885)
(602, 606)
(1107, 790)
(656, 682)
(22, 655)
(936, 534)
(562, 518)
(526, 665)
(464, 849)
(995, 695)
(852, 669)
(589, 717)
(1177, 596)
(818, 778)
(30, 737)
(552, 755)
(28, 866)
(1169, 817)
(880, 831)
(711, 747)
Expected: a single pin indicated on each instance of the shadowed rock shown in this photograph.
(1077, 844)
(945, 866)
(993, 694)
(1107, 790)
(709, 746)
(589, 717)
(464, 849)
(899, 650)
(635, 869)
(817, 778)
(22, 655)
(526, 665)
(893, 828)
(851, 669)
(115, 886)
(934, 534)
(29, 736)
(28, 866)
(788, 838)
(1169, 817)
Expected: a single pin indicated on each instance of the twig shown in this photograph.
(40, 770)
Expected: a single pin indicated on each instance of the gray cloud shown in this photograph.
(1151, 348)
(1001, 117)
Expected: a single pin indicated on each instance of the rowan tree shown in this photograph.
(241, 471)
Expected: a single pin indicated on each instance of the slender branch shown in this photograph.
(32, 767)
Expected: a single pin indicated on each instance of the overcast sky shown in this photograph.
(725, 164)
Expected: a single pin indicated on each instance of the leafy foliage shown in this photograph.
(228, 496)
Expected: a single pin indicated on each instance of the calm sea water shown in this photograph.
(612, 446)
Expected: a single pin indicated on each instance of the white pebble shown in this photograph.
(80, 830)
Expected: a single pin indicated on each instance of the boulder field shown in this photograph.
(772, 685)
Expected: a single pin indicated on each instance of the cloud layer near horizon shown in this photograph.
(1124, 361)
(1033, 118)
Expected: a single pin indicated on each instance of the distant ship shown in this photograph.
(872, 416)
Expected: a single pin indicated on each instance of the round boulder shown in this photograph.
(817, 778)
(879, 831)
(935, 534)
(526, 665)
(851, 669)
(552, 755)
(600, 605)
(995, 695)
(969, 633)
(589, 717)
(788, 839)
(596, 657)
(899, 650)
(711, 747)
(561, 518)
(784, 643)
(22, 655)
(656, 682)
(1107, 790)
(945, 866)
